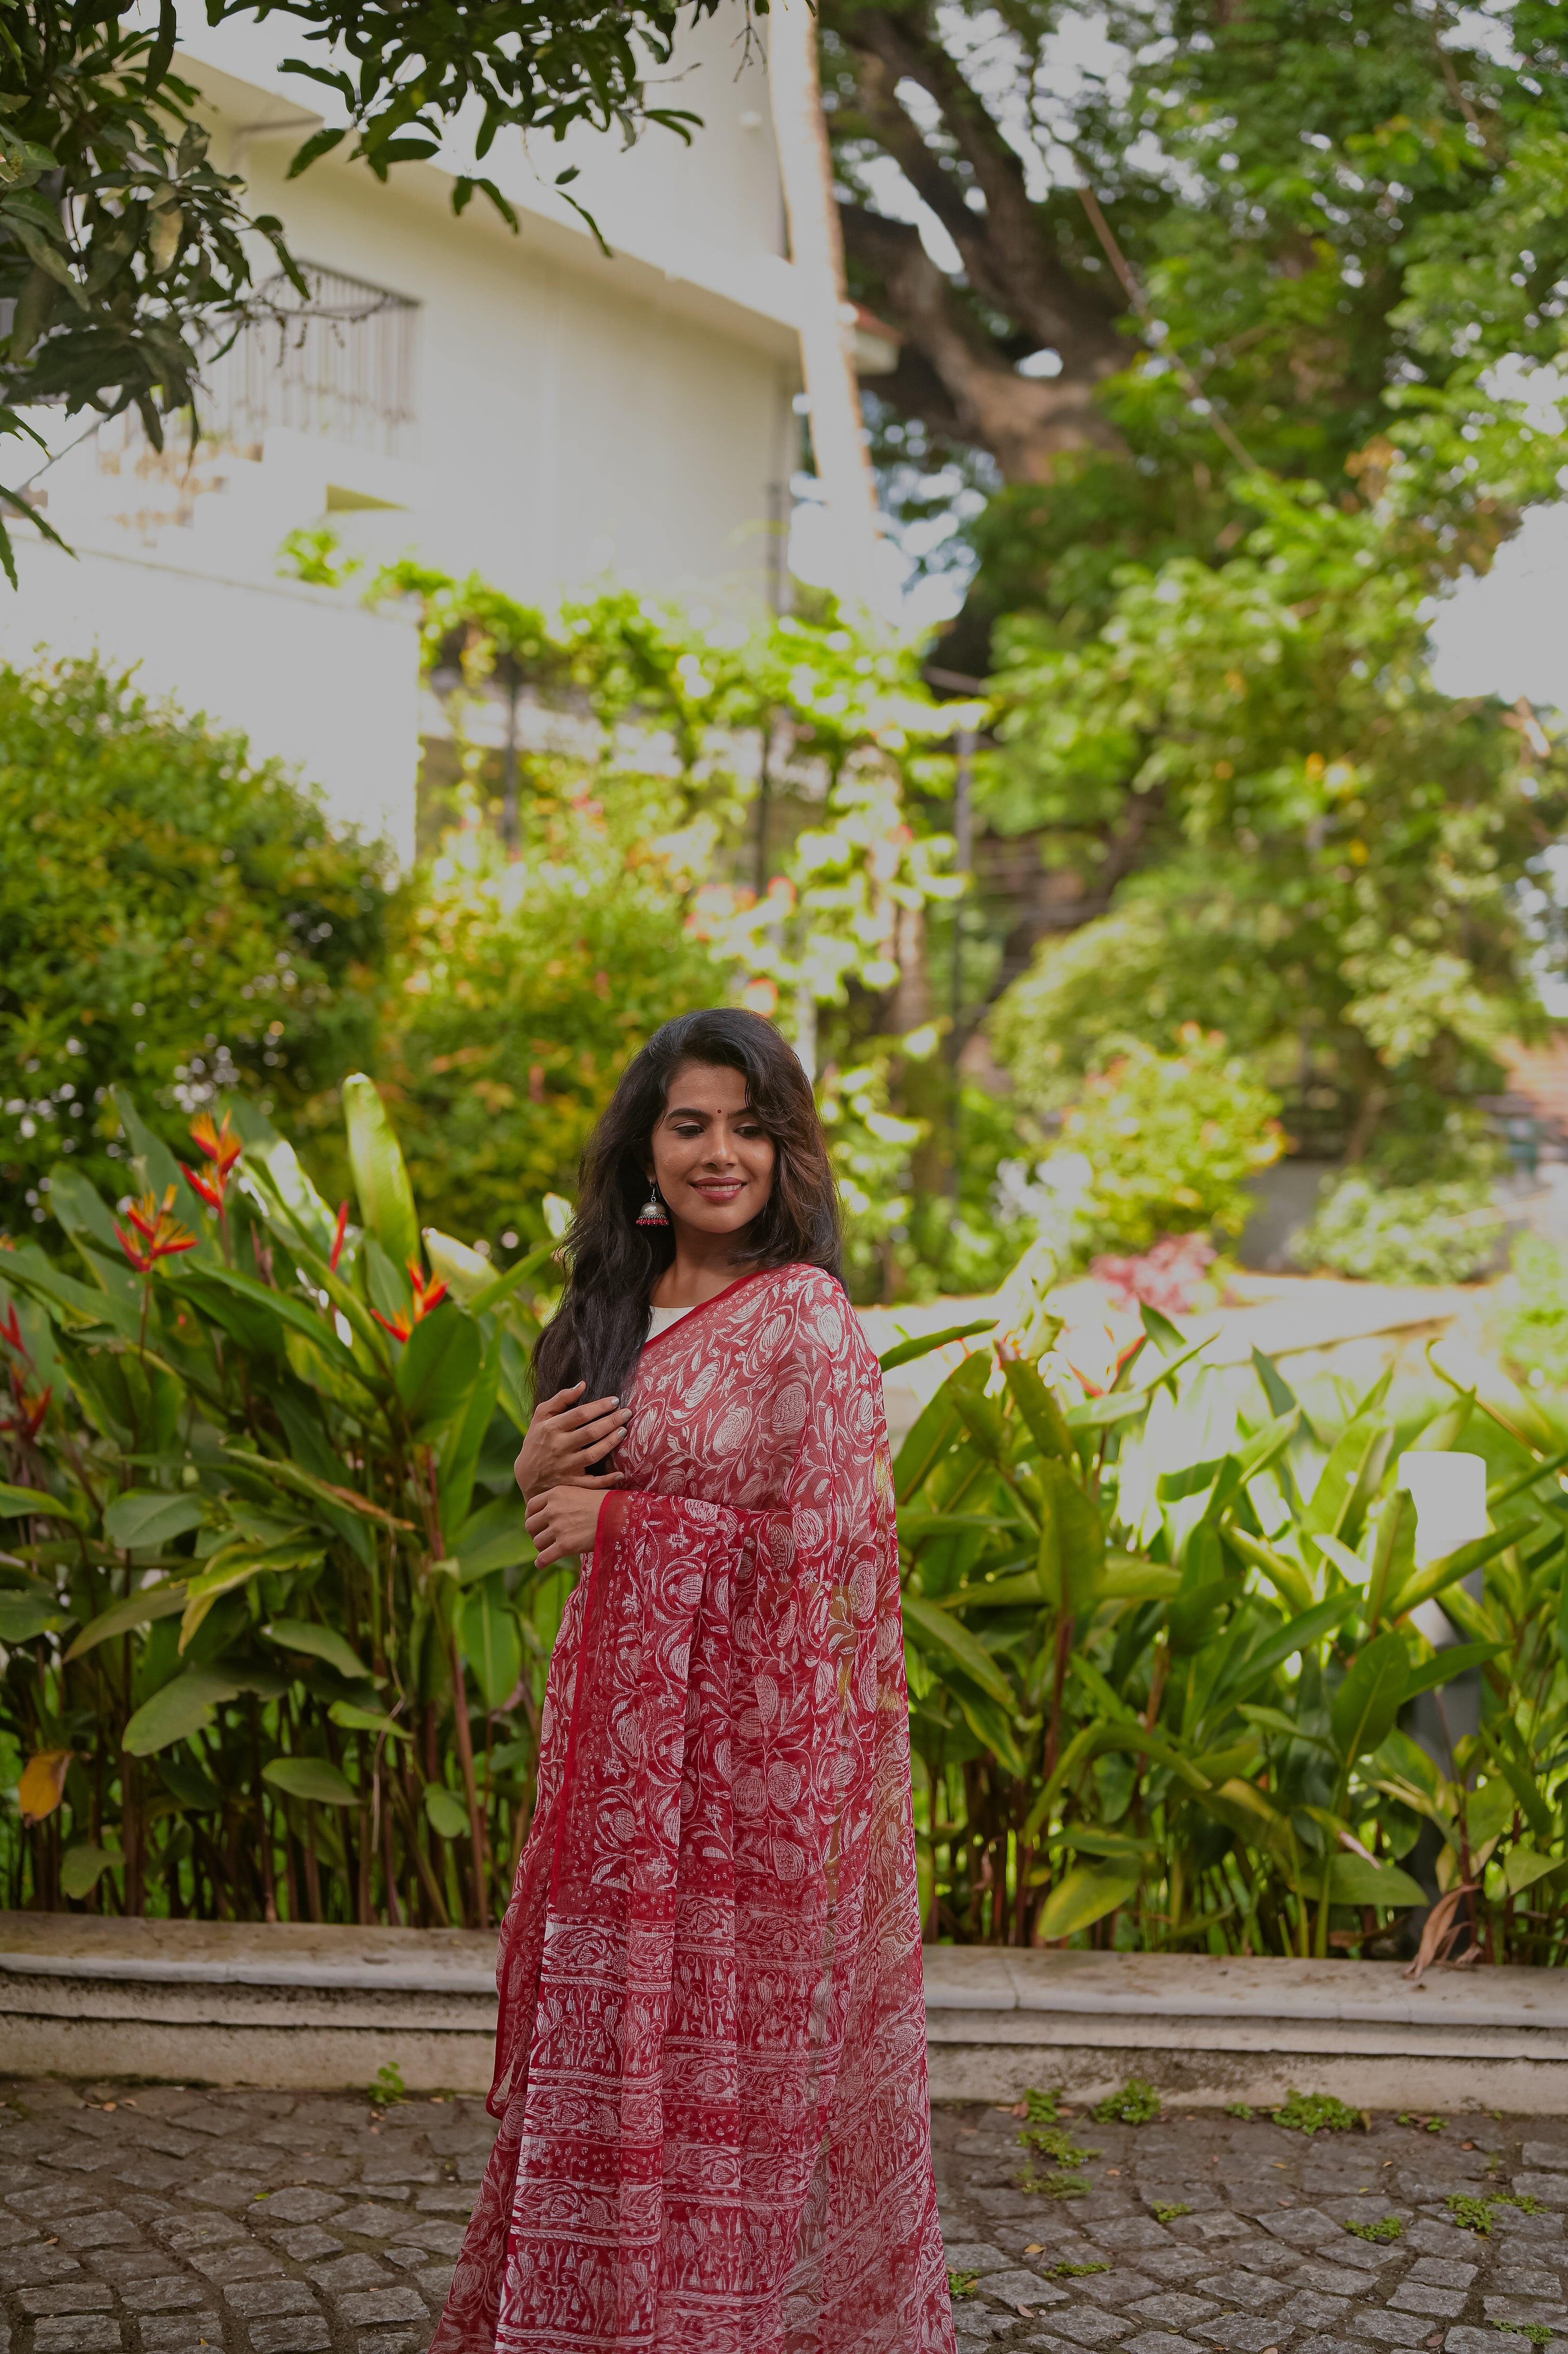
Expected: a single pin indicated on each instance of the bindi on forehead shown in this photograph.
(701, 1090)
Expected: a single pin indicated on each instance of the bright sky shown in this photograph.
(1507, 635)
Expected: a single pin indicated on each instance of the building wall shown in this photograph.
(580, 417)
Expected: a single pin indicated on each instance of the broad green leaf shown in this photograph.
(23, 1616)
(235, 1565)
(1040, 1408)
(1347, 1483)
(1287, 1577)
(1444, 1666)
(1297, 1634)
(501, 1286)
(493, 1538)
(993, 1726)
(191, 1784)
(1353, 1880)
(145, 1518)
(1368, 1699)
(14, 1501)
(138, 1609)
(1394, 1552)
(319, 1643)
(1522, 1867)
(1126, 1578)
(1086, 1896)
(904, 1353)
(437, 1368)
(316, 1778)
(82, 1865)
(1072, 1542)
(380, 1179)
(177, 1710)
(305, 1483)
(465, 1437)
(934, 1629)
(274, 1162)
(1274, 1720)
(366, 1720)
(448, 1815)
(492, 1642)
(1429, 1582)
(159, 1167)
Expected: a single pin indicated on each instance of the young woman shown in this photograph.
(711, 2058)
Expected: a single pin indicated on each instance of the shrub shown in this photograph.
(1535, 1338)
(1446, 1231)
(171, 915)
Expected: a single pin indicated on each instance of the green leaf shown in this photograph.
(1368, 1699)
(1126, 1578)
(158, 1164)
(1072, 1542)
(1522, 1867)
(23, 1616)
(1299, 1634)
(319, 1643)
(14, 1501)
(1086, 1896)
(502, 1287)
(191, 1785)
(81, 1867)
(367, 1720)
(933, 1629)
(143, 1518)
(495, 1537)
(465, 1438)
(180, 1707)
(492, 1642)
(1429, 1582)
(236, 1566)
(438, 1367)
(1353, 1880)
(1040, 1408)
(448, 1814)
(380, 1179)
(1444, 1666)
(316, 1778)
(927, 1442)
(904, 1353)
(139, 1610)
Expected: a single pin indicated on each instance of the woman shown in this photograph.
(711, 2057)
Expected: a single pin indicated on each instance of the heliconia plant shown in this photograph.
(273, 1634)
(1164, 1641)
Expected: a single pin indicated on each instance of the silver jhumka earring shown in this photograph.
(654, 1213)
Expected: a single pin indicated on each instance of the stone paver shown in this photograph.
(161, 2221)
(1201, 2232)
(154, 2220)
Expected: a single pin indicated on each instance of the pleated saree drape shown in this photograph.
(711, 2060)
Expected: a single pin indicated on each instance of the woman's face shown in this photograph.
(712, 1159)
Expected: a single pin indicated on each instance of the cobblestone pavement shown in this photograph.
(1201, 2232)
(157, 2221)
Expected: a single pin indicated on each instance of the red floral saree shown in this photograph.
(711, 2057)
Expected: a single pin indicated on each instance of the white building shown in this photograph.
(517, 404)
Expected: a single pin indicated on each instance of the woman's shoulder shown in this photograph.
(819, 1308)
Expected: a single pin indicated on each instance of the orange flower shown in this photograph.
(162, 1233)
(425, 1298)
(223, 1150)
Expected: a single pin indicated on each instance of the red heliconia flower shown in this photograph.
(223, 1150)
(28, 1418)
(1091, 1389)
(425, 1298)
(11, 1331)
(338, 1233)
(163, 1236)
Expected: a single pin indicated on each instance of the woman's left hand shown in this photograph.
(562, 1520)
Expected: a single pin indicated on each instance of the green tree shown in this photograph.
(173, 915)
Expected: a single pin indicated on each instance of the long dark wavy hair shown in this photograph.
(614, 1263)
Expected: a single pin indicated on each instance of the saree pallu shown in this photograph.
(711, 2056)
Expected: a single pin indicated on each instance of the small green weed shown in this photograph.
(962, 2283)
(1043, 2108)
(1311, 2112)
(1065, 2270)
(1137, 2103)
(1538, 2332)
(1472, 2215)
(1167, 2210)
(389, 2088)
(1051, 2185)
(1388, 2228)
(1422, 2124)
(1241, 2109)
(1054, 2142)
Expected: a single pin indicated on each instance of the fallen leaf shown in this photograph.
(42, 1785)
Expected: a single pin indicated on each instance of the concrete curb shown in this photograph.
(296, 2008)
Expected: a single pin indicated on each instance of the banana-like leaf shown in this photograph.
(438, 1368)
(380, 1179)
(179, 1708)
(935, 1631)
(492, 1642)
(1084, 1896)
(320, 1643)
(316, 1778)
(138, 1609)
(142, 1519)
(1368, 1702)
(1428, 1582)
(904, 1353)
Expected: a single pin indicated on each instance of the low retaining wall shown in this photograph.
(296, 2008)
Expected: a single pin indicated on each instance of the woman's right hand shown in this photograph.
(564, 1437)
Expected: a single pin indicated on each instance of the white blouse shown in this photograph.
(660, 1319)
